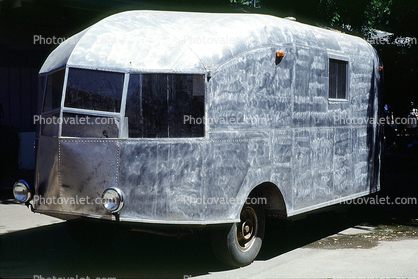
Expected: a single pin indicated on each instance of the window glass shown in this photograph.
(165, 105)
(337, 79)
(49, 124)
(94, 90)
(41, 86)
(79, 125)
(53, 92)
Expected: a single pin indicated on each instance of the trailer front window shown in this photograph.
(53, 93)
(165, 105)
(80, 125)
(94, 90)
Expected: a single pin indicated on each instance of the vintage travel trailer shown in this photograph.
(199, 119)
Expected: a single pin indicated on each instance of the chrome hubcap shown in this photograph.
(247, 229)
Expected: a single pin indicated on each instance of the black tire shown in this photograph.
(238, 244)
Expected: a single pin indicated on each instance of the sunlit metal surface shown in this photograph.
(159, 41)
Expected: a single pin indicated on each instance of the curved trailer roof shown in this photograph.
(160, 41)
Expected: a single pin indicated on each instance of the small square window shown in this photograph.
(337, 79)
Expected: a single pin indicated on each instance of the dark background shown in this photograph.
(21, 58)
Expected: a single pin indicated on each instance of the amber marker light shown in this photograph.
(279, 56)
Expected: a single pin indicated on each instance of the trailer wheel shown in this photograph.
(239, 244)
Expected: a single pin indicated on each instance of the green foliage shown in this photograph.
(247, 3)
(376, 15)
(357, 15)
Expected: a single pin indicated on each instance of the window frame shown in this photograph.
(343, 60)
(205, 107)
(44, 97)
(119, 115)
(87, 76)
(123, 133)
